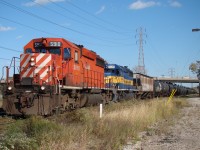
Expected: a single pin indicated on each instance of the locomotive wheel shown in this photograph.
(64, 101)
(82, 100)
(105, 99)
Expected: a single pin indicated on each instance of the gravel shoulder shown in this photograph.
(184, 134)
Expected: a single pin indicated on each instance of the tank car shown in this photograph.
(161, 89)
(55, 75)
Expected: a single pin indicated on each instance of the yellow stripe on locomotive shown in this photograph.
(119, 82)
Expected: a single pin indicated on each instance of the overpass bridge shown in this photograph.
(178, 79)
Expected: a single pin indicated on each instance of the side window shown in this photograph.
(67, 53)
(76, 56)
(28, 50)
(43, 51)
(55, 51)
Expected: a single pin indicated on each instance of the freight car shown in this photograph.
(144, 84)
(163, 89)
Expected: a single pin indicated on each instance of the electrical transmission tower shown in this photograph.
(141, 33)
(171, 72)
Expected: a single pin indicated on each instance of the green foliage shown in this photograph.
(80, 116)
(83, 128)
(194, 67)
(37, 127)
(27, 134)
(18, 141)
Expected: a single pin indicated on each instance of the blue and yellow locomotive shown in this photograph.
(120, 80)
(118, 76)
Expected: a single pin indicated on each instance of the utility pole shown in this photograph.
(198, 74)
(171, 72)
(141, 66)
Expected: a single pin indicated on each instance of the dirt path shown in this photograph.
(183, 135)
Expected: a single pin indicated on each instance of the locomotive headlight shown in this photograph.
(10, 88)
(32, 64)
(32, 58)
(42, 88)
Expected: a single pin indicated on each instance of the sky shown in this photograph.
(110, 28)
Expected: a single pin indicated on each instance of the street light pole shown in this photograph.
(195, 30)
(198, 75)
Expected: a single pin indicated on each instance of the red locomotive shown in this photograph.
(55, 74)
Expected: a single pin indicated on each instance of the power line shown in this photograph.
(51, 22)
(102, 20)
(10, 49)
(30, 27)
(50, 33)
(41, 18)
(75, 14)
(4, 59)
(61, 14)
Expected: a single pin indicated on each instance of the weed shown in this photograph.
(83, 129)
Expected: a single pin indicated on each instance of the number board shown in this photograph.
(38, 44)
(111, 67)
(55, 44)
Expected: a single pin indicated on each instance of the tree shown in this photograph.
(195, 67)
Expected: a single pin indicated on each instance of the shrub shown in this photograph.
(18, 141)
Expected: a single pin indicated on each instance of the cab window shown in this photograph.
(76, 56)
(28, 50)
(67, 53)
(55, 51)
(40, 50)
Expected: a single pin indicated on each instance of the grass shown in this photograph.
(83, 129)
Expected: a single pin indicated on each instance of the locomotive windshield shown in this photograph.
(44, 50)
(41, 50)
(109, 71)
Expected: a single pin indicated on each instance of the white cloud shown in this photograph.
(175, 4)
(41, 2)
(19, 37)
(3, 28)
(100, 10)
(139, 4)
